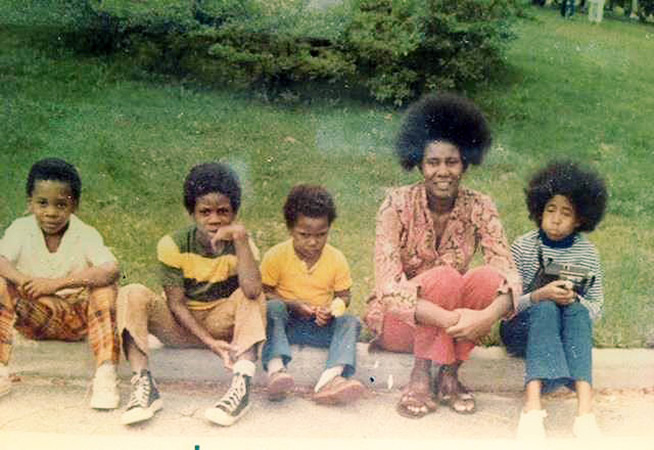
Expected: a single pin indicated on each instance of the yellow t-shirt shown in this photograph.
(289, 275)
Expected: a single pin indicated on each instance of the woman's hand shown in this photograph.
(561, 292)
(472, 325)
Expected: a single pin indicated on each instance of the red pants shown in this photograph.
(447, 288)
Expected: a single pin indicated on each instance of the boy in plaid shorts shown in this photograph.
(58, 279)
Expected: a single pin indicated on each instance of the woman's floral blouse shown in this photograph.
(406, 246)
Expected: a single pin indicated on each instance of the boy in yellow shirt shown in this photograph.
(307, 283)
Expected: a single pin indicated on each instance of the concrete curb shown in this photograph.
(489, 369)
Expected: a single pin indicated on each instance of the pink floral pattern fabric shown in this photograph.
(405, 246)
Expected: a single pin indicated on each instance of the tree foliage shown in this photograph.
(397, 49)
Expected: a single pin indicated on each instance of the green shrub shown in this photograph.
(406, 47)
(396, 49)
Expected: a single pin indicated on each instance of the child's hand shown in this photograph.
(225, 350)
(303, 311)
(232, 232)
(561, 292)
(323, 316)
(38, 287)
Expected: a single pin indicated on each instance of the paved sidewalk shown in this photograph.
(48, 406)
(489, 369)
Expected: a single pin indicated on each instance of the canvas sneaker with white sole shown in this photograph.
(145, 400)
(234, 404)
(105, 388)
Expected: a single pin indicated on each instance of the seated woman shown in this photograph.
(426, 300)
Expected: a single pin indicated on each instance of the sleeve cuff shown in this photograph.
(524, 303)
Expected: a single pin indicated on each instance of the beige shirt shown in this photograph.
(81, 247)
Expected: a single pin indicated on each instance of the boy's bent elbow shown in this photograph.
(114, 272)
(252, 292)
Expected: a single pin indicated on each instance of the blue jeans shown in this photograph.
(284, 329)
(557, 342)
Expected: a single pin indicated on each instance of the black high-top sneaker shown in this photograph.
(234, 404)
(145, 400)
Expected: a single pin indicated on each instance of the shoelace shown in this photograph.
(233, 397)
(141, 393)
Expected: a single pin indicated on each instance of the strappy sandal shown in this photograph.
(451, 392)
(415, 405)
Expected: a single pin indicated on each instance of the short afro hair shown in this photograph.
(208, 178)
(448, 118)
(310, 201)
(584, 188)
(54, 169)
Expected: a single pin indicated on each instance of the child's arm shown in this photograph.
(297, 307)
(344, 295)
(249, 278)
(91, 277)
(177, 305)
(9, 272)
(35, 287)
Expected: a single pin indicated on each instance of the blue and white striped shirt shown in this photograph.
(581, 252)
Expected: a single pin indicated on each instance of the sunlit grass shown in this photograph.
(572, 89)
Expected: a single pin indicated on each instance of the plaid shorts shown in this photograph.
(66, 318)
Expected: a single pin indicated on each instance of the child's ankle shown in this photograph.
(275, 365)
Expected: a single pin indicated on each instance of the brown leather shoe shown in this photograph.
(280, 384)
(339, 391)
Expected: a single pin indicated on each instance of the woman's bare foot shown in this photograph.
(417, 398)
(451, 392)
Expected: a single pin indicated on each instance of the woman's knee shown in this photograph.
(481, 285)
(442, 283)
(485, 275)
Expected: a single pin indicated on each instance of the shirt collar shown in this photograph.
(566, 242)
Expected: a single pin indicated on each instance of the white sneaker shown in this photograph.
(105, 390)
(5, 381)
(531, 425)
(585, 427)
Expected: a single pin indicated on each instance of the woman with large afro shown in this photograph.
(427, 300)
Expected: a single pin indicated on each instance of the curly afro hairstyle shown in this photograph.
(584, 188)
(445, 117)
(54, 169)
(208, 178)
(311, 201)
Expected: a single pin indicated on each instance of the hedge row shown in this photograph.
(397, 49)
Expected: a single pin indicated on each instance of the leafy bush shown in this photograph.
(405, 47)
(397, 49)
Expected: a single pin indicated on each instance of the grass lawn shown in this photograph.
(572, 88)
